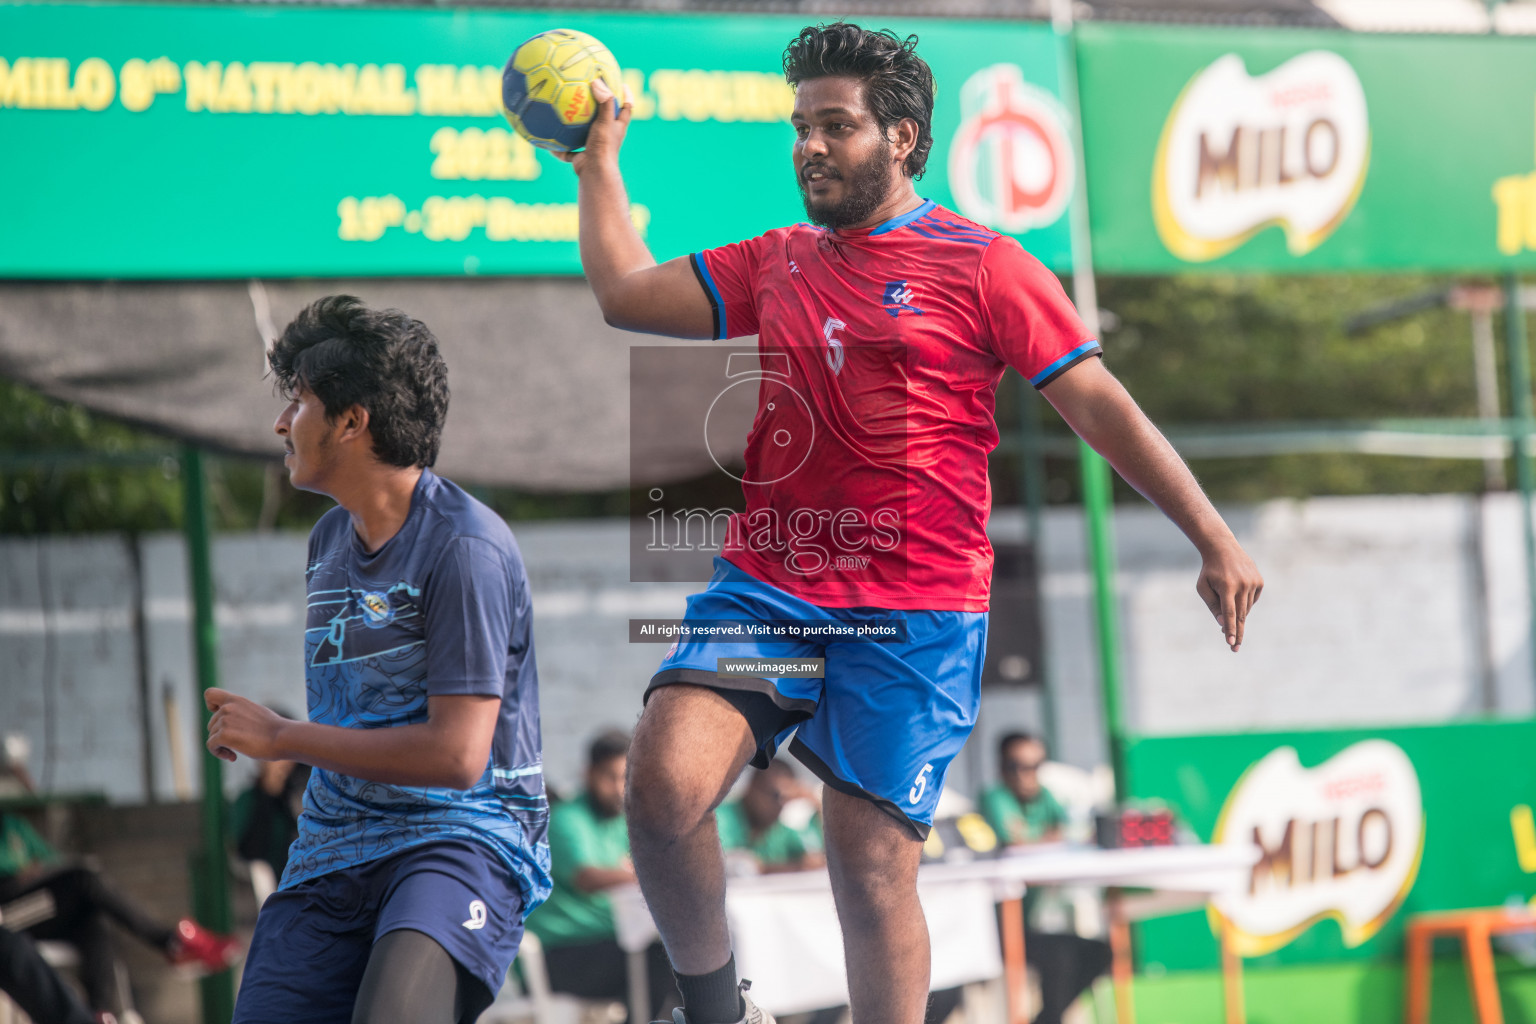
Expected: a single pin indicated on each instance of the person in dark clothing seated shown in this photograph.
(1022, 811)
(35, 986)
(589, 853)
(49, 898)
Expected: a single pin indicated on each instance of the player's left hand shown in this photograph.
(1229, 585)
(241, 726)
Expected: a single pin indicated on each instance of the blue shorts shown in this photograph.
(313, 940)
(887, 718)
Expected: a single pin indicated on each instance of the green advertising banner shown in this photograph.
(172, 142)
(1308, 151)
(1357, 830)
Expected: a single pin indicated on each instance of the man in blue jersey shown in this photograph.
(422, 844)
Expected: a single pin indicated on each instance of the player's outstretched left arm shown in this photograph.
(451, 749)
(1102, 412)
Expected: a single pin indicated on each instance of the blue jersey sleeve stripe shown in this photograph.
(951, 225)
(1050, 373)
(904, 219)
(922, 230)
(701, 271)
(957, 229)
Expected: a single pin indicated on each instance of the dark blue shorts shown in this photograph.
(886, 720)
(313, 940)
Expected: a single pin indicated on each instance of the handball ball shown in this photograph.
(546, 88)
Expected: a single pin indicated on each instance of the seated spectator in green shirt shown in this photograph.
(1019, 809)
(1022, 811)
(589, 853)
(752, 824)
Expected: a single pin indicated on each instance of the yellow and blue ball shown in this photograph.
(546, 89)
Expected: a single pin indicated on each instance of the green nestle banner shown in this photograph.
(170, 142)
(1308, 151)
(1357, 829)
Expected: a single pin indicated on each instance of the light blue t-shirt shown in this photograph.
(441, 609)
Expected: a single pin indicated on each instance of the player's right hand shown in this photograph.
(241, 726)
(607, 132)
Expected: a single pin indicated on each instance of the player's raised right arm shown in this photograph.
(635, 293)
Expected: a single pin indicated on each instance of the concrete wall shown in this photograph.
(96, 658)
(1375, 610)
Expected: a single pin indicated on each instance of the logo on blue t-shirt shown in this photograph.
(898, 299)
(377, 611)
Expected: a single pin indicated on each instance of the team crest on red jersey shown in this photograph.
(897, 299)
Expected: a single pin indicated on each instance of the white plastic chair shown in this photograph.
(263, 880)
(532, 1002)
(526, 1002)
(1080, 793)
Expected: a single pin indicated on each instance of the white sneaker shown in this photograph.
(753, 1015)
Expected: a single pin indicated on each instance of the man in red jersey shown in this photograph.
(883, 329)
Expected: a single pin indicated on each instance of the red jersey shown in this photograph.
(881, 350)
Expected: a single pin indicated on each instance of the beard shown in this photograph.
(868, 184)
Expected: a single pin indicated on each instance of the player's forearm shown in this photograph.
(611, 248)
(403, 755)
(1116, 428)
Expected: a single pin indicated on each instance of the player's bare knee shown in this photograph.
(663, 806)
(688, 749)
(656, 795)
(873, 868)
(868, 896)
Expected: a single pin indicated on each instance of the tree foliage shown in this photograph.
(111, 477)
(1219, 350)
(66, 470)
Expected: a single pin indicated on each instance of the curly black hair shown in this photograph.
(382, 360)
(898, 84)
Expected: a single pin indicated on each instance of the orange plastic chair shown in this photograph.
(1121, 970)
(1473, 928)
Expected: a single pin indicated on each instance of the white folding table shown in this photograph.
(785, 933)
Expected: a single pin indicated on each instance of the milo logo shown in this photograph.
(1239, 153)
(1341, 840)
